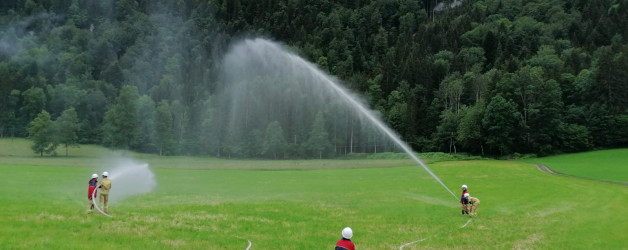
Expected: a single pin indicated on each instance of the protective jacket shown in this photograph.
(105, 185)
(474, 201)
(92, 185)
(345, 244)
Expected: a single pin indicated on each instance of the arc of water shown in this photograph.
(369, 115)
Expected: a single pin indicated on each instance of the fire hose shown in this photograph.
(96, 204)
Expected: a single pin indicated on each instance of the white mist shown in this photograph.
(252, 58)
(128, 178)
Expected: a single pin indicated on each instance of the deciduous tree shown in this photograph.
(274, 140)
(121, 121)
(318, 143)
(40, 132)
(66, 129)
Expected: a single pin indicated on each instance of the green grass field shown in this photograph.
(604, 165)
(206, 203)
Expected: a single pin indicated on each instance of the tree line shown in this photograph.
(487, 77)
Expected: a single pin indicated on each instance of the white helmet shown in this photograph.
(347, 233)
(466, 194)
(464, 186)
(94, 176)
(105, 173)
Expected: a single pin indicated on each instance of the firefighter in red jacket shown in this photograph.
(345, 243)
(93, 182)
(464, 201)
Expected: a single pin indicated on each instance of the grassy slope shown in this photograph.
(306, 209)
(605, 164)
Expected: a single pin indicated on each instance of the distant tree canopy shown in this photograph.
(487, 77)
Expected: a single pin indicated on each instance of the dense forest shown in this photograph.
(494, 77)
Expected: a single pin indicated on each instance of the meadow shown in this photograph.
(208, 203)
(603, 165)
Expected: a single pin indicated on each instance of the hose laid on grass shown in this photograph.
(96, 204)
(250, 243)
(416, 241)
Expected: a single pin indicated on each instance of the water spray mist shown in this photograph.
(128, 178)
(252, 58)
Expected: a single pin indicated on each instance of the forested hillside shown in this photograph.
(492, 77)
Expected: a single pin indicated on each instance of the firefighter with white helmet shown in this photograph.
(90, 189)
(105, 186)
(464, 201)
(345, 243)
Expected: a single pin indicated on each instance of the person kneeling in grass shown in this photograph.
(474, 203)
